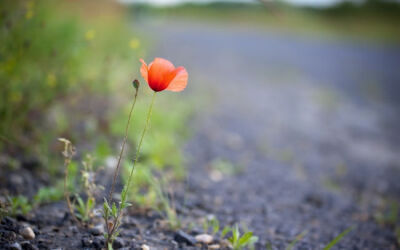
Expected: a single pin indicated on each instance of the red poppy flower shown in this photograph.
(161, 75)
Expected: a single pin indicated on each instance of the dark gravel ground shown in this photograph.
(294, 134)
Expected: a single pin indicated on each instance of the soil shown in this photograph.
(298, 135)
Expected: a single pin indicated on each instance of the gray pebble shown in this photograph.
(27, 233)
(97, 230)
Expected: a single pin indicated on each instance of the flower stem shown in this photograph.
(122, 149)
(141, 140)
(116, 221)
(106, 216)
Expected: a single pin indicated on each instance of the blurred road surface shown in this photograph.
(311, 125)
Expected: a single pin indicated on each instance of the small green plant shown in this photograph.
(81, 211)
(19, 205)
(211, 223)
(68, 153)
(337, 238)
(49, 194)
(85, 209)
(238, 242)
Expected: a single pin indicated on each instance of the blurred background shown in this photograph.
(289, 122)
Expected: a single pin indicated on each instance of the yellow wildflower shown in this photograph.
(134, 43)
(90, 34)
(51, 80)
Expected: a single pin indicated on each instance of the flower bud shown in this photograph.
(136, 84)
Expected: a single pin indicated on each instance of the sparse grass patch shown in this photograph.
(49, 194)
(19, 205)
(211, 223)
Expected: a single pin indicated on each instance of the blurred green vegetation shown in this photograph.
(53, 59)
(372, 20)
(66, 69)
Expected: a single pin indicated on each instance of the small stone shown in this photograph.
(175, 244)
(27, 233)
(15, 246)
(98, 242)
(73, 229)
(26, 245)
(182, 237)
(97, 230)
(86, 242)
(216, 175)
(214, 246)
(118, 243)
(204, 238)
(145, 247)
(116, 196)
(16, 180)
(110, 162)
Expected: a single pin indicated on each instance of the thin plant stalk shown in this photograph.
(120, 157)
(116, 221)
(68, 153)
(66, 192)
(141, 140)
(123, 147)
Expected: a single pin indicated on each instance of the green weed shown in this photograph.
(49, 194)
(211, 223)
(19, 205)
(338, 238)
(238, 241)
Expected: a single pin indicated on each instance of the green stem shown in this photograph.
(106, 217)
(122, 149)
(67, 162)
(116, 220)
(141, 140)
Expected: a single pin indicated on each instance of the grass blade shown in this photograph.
(337, 239)
(297, 239)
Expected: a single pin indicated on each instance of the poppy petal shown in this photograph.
(144, 70)
(159, 74)
(179, 82)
